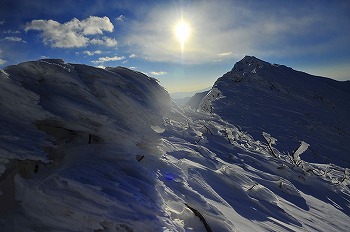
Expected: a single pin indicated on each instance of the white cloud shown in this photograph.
(44, 57)
(101, 66)
(106, 59)
(14, 39)
(91, 53)
(106, 41)
(158, 73)
(70, 34)
(225, 54)
(133, 55)
(95, 25)
(1, 60)
(158, 41)
(132, 67)
(11, 32)
(121, 18)
(237, 27)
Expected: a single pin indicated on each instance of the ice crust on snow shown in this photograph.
(73, 136)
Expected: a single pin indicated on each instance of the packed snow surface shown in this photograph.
(88, 149)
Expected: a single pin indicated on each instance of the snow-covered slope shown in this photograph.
(87, 149)
(194, 101)
(290, 105)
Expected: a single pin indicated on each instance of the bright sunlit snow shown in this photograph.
(90, 149)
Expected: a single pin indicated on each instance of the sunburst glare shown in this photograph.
(182, 32)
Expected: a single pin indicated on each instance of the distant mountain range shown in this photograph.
(181, 98)
(181, 95)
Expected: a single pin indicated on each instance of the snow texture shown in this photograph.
(89, 149)
(288, 104)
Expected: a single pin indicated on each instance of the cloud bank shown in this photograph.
(225, 54)
(107, 59)
(14, 39)
(106, 41)
(91, 53)
(73, 33)
(239, 27)
(154, 73)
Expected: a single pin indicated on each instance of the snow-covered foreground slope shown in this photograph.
(86, 149)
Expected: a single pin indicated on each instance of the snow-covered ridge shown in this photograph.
(291, 105)
(57, 62)
(88, 149)
(47, 94)
(211, 96)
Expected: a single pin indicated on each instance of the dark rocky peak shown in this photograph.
(249, 64)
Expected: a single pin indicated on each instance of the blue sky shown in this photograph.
(311, 36)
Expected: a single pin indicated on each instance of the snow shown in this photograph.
(71, 145)
(290, 105)
(301, 149)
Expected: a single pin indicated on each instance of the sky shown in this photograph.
(310, 36)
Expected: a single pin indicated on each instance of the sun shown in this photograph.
(182, 32)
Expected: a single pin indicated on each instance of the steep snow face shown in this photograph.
(58, 120)
(290, 105)
(92, 98)
(52, 97)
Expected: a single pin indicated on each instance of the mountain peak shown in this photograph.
(53, 61)
(249, 63)
(250, 58)
(255, 93)
(113, 139)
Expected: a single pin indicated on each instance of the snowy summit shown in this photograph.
(90, 149)
(292, 105)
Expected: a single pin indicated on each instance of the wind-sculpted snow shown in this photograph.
(87, 149)
(290, 105)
